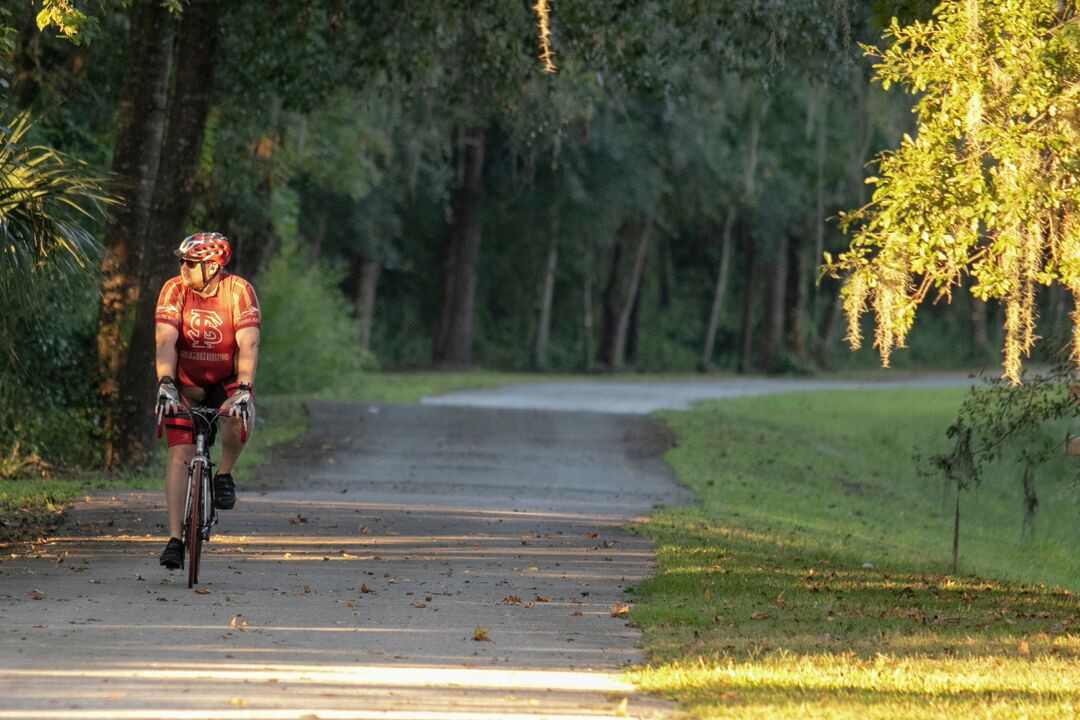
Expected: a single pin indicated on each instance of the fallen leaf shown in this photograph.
(298, 520)
(418, 605)
(621, 710)
(364, 529)
(202, 591)
(620, 610)
(511, 600)
(35, 595)
(543, 598)
(480, 634)
(760, 616)
(237, 702)
(576, 613)
(364, 588)
(1023, 648)
(779, 601)
(592, 535)
(161, 599)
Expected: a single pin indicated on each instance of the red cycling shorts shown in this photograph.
(178, 428)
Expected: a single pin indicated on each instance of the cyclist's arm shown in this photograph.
(247, 354)
(165, 337)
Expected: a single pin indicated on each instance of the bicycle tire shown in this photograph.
(194, 524)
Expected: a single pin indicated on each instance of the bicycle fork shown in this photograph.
(208, 516)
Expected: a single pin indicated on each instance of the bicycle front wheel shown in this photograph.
(193, 529)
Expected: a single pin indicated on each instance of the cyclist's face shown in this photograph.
(196, 275)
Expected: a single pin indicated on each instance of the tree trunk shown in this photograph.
(719, 290)
(825, 328)
(746, 325)
(799, 298)
(632, 329)
(980, 334)
(819, 186)
(139, 133)
(366, 292)
(587, 308)
(316, 238)
(628, 262)
(546, 298)
(665, 273)
(196, 46)
(453, 346)
(777, 273)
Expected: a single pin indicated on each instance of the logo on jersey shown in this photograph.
(203, 328)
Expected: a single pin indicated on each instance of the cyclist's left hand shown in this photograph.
(240, 401)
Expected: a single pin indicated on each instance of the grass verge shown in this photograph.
(809, 580)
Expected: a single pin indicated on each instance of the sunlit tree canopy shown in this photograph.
(988, 185)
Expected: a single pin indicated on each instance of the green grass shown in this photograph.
(407, 387)
(810, 579)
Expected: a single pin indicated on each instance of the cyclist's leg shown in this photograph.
(176, 486)
(231, 447)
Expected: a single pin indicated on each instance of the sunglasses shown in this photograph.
(189, 263)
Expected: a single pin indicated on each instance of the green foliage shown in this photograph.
(47, 271)
(308, 340)
(76, 26)
(46, 203)
(988, 186)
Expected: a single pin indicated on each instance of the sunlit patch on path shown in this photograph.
(440, 566)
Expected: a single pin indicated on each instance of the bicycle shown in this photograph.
(200, 511)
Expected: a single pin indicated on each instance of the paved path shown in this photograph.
(643, 397)
(362, 565)
(352, 577)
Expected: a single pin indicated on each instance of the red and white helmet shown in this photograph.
(206, 247)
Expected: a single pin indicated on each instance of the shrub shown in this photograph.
(308, 340)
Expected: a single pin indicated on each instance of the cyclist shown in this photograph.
(207, 334)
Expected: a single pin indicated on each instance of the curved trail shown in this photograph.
(458, 559)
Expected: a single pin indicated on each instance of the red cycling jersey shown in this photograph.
(207, 325)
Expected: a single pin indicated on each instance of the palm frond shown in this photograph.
(48, 202)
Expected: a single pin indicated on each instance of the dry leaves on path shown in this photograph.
(480, 634)
(620, 610)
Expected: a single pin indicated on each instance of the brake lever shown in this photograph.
(243, 422)
(160, 416)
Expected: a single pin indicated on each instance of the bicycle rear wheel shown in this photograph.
(193, 529)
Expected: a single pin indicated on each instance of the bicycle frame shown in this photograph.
(200, 513)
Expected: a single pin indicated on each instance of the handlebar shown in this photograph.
(210, 414)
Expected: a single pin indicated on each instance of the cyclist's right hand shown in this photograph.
(168, 396)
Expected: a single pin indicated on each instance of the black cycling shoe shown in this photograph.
(173, 555)
(224, 491)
